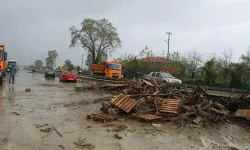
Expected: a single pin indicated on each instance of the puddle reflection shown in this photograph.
(11, 88)
(2, 88)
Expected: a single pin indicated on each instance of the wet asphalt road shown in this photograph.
(27, 120)
(20, 111)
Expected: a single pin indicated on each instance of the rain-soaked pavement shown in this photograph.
(27, 120)
(23, 115)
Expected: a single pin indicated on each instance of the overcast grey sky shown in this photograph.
(29, 28)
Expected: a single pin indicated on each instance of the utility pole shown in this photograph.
(82, 61)
(168, 41)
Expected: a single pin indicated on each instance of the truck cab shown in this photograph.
(113, 70)
(3, 64)
(110, 70)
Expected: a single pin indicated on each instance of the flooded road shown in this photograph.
(52, 117)
(22, 112)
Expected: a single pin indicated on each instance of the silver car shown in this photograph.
(162, 77)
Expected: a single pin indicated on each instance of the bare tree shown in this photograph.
(193, 63)
(225, 61)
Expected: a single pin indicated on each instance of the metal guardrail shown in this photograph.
(217, 88)
(98, 80)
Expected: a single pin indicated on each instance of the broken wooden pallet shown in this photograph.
(147, 117)
(124, 102)
(104, 117)
(243, 113)
(170, 106)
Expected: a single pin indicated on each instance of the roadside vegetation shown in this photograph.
(193, 68)
(99, 38)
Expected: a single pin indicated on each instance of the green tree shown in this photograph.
(246, 57)
(67, 62)
(71, 67)
(98, 37)
(51, 59)
(38, 63)
(239, 75)
(174, 64)
(210, 70)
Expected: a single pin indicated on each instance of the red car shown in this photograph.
(68, 76)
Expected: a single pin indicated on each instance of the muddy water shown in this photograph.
(27, 120)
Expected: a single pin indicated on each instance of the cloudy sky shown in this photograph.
(29, 28)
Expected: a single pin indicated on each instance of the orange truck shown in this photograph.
(110, 70)
(3, 63)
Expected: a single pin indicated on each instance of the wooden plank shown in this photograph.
(115, 98)
(150, 117)
(174, 112)
(126, 104)
(118, 98)
(101, 118)
(170, 99)
(147, 117)
(131, 107)
(243, 113)
(169, 107)
(123, 101)
(106, 116)
(172, 103)
(176, 105)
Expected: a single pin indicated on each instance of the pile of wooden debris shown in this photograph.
(146, 100)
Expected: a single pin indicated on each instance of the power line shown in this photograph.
(203, 27)
(217, 25)
(181, 37)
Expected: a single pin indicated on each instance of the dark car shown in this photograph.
(58, 73)
(50, 73)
